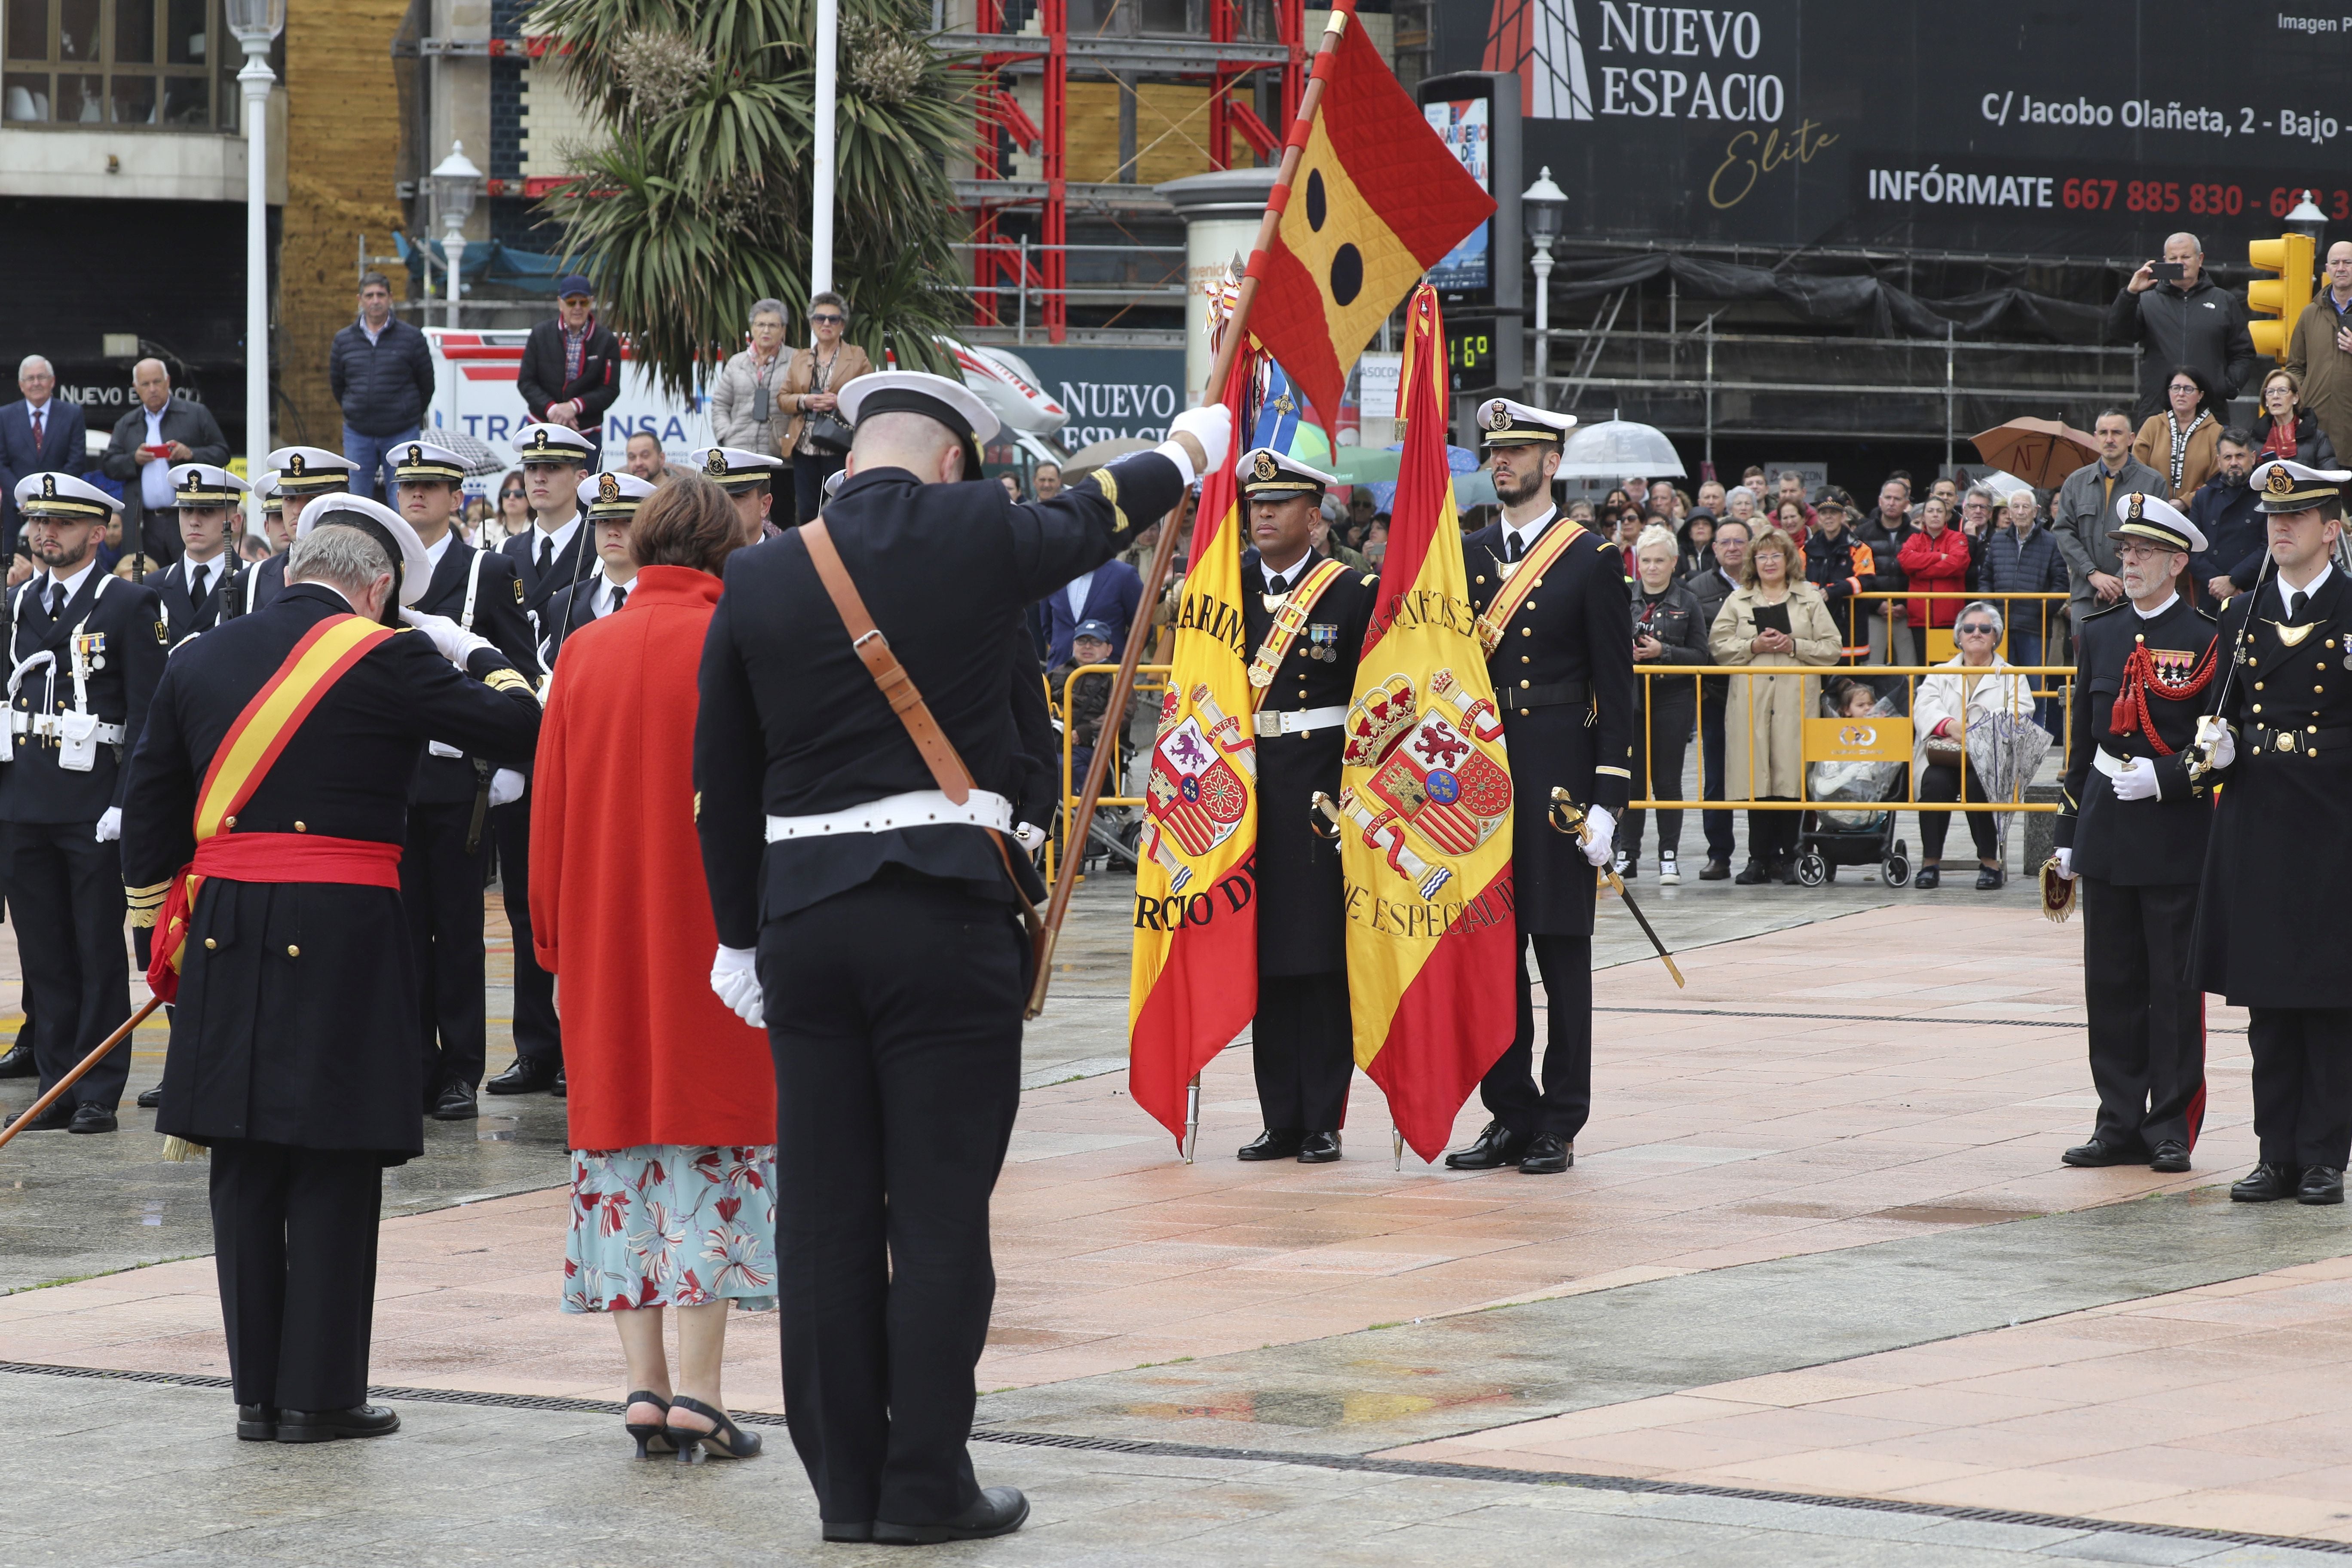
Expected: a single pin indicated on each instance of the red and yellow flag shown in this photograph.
(1426, 794)
(1193, 981)
(1377, 200)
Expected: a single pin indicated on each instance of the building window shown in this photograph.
(157, 63)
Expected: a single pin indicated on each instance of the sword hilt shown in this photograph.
(1567, 816)
(1321, 804)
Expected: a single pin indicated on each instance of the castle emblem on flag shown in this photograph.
(1438, 787)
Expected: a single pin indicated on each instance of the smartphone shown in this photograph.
(164, 450)
(2166, 272)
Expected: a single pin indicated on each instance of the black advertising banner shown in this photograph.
(2084, 130)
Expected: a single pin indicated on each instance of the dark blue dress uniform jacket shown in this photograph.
(498, 615)
(1570, 647)
(2143, 843)
(297, 1016)
(792, 724)
(33, 788)
(185, 617)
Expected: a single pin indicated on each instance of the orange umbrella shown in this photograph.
(2042, 452)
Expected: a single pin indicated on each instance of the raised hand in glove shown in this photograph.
(1601, 836)
(2138, 781)
(450, 640)
(735, 976)
(1212, 426)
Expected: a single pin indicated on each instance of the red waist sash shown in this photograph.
(262, 858)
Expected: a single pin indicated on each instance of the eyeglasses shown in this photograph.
(1976, 631)
(828, 320)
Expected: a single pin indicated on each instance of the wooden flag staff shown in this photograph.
(73, 1078)
(1074, 838)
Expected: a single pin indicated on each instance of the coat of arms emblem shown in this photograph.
(1439, 786)
(1199, 786)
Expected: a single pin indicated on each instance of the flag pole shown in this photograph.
(1191, 1117)
(1057, 906)
(73, 1078)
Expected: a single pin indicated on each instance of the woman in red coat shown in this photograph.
(1934, 561)
(673, 1098)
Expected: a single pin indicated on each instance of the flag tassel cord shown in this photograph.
(1057, 906)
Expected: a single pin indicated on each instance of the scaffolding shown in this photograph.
(1249, 56)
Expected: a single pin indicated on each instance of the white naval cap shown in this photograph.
(1266, 472)
(612, 496)
(64, 496)
(2286, 485)
(422, 462)
(935, 397)
(272, 498)
(2142, 516)
(1509, 424)
(733, 467)
(311, 470)
(553, 443)
(375, 519)
(205, 486)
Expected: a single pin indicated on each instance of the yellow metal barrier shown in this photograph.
(1150, 681)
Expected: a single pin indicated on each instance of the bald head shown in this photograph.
(904, 440)
(153, 383)
(2339, 269)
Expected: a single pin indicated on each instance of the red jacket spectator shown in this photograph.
(1935, 563)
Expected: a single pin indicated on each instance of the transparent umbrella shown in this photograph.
(1617, 447)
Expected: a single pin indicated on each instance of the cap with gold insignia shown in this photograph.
(2152, 517)
(272, 498)
(414, 568)
(612, 497)
(733, 468)
(423, 463)
(553, 443)
(935, 397)
(205, 487)
(1277, 476)
(2285, 485)
(311, 470)
(1509, 424)
(64, 497)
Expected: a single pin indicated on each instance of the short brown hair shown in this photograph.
(1793, 560)
(687, 522)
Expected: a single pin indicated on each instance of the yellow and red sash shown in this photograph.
(1519, 578)
(1288, 621)
(247, 753)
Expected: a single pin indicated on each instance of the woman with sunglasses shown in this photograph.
(1939, 757)
(816, 439)
(511, 517)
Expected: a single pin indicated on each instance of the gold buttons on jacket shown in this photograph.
(298, 827)
(1526, 631)
(293, 952)
(2258, 686)
(228, 822)
(1523, 686)
(211, 942)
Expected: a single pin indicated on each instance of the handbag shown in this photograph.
(1942, 751)
(898, 688)
(824, 429)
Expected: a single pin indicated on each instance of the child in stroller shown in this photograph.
(1829, 838)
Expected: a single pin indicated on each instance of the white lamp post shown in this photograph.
(455, 182)
(256, 24)
(1542, 205)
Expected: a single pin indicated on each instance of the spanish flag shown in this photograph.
(1193, 980)
(1377, 200)
(1425, 796)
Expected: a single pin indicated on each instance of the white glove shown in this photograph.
(735, 976)
(506, 786)
(1210, 424)
(2067, 863)
(1032, 837)
(2138, 781)
(450, 640)
(1602, 836)
(2223, 744)
(110, 825)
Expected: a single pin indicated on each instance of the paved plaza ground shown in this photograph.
(1816, 1292)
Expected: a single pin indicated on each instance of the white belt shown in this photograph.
(1296, 720)
(916, 808)
(44, 725)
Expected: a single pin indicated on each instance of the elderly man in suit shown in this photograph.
(162, 431)
(571, 369)
(40, 433)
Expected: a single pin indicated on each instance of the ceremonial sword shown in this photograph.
(1568, 817)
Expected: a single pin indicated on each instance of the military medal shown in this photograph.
(1323, 643)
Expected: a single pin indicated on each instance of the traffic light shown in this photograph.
(2283, 296)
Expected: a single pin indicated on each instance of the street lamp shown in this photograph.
(2306, 219)
(1542, 205)
(256, 24)
(455, 182)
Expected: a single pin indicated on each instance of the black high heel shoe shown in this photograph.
(725, 1440)
(647, 1433)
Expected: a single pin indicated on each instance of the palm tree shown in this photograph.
(696, 201)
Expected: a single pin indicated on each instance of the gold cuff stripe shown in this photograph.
(1614, 772)
(143, 920)
(506, 680)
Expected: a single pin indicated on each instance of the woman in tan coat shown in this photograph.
(1763, 724)
(2183, 443)
(813, 386)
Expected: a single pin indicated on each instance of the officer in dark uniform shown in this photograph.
(1305, 621)
(196, 588)
(2132, 826)
(446, 863)
(609, 501)
(2280, 742)
(303, 473)
(750, 480)
(293, 1052)
(1561, 647)
(895, 1086)
(555, 553)
(85, 650)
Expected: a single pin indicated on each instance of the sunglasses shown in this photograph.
(516, 494)
(1977, 631)
(828, 320)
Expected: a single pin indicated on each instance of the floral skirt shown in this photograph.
(671, 1225)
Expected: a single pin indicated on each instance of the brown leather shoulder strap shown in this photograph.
(874, 649)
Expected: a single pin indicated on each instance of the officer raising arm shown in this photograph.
(888, 967)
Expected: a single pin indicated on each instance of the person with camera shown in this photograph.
(816, 442)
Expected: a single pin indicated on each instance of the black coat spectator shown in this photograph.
(546, 380)
(1840, 566)
(2312, 449)
(2191, 323)
(2227, 513)
(149, 519)
(385, 386)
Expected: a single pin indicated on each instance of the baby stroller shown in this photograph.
(1830, 838)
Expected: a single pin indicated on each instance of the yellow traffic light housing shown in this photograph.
(2283, 296)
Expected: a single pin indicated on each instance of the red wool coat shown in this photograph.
(1934, 564)
(618, 910)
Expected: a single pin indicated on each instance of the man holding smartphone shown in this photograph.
(2176, 316)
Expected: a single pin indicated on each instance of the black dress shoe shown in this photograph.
(1001, 1510)
(18, 1063)
(2171, 1156)
(2321, 1184)
(456, 1103)
(557, 1088)
(1928, 877)
(56, 1118)
(1754, 874)
(526, 1077)
(257, 1423)
(1714, 871)
(848, 1529)
(1988, 878)
(2095, 1153)
(2263, 1184)
(1318, 1149)
(1271, 1145)
(1548, 1155)
(1496, 1147)
(149, 1099)
(91, 1117)
(326, 1425)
